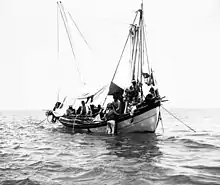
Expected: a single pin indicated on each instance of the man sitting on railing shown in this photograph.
(70, 111)
(95, 110)
(83, 109)
(150, 98)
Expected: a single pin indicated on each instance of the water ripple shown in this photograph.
(33, 153)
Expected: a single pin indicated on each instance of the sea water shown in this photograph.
(33, 153)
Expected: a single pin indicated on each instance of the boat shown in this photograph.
(141, 115)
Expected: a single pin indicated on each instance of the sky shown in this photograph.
(183, 46)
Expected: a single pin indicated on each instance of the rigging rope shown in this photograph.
(123, 50)
(120, 57)
(58, 46)
(145, 44)
(79, 31)
(117, 66)
(58, 33)
(41, 121)
(66, 27)
(64, 17)
(178, 119)
(161, 120)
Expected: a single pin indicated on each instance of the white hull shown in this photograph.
(145, 122)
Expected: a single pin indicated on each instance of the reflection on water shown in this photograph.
(141, 145)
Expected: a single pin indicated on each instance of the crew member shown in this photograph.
(110, 117)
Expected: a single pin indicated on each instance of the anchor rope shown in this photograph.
(178, 119)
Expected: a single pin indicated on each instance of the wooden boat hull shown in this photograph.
(145, 119)
(78, 124)
(145, 122)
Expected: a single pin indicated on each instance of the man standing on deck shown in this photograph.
(83, 110)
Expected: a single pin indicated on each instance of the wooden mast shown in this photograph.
(141, 48)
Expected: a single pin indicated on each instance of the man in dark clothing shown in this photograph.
(110, 117)
(136, 89)
(70, 110)
(116, 103)
(82, 109)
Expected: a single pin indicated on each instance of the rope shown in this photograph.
(63, 15)
(145, 44)
(41, 121)
(75, 119)
(117, 66)
(79, 31)
(65, 24)
(160, 118)
(58, 45)
(120, 58)
(178, 119)
(58, 33)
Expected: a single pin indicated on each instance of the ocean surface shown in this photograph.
(33, 153)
